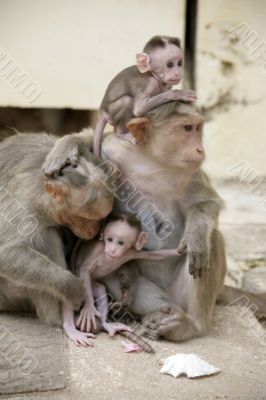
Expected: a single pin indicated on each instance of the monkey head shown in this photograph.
(165, 63)
(120, 236)
(173, 134)
(79, 199)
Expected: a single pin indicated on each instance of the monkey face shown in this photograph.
(80, 208)
(167, 64)
(178, 142)
(84, 221)
(119, 238)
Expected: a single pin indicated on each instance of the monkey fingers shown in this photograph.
(53, 165)
(151, 333)
(87, 318)
(198, 262)
(81, 338)
(163, 325)
(182, 247)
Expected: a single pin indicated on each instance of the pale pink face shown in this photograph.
(118, 238)
(167, 63)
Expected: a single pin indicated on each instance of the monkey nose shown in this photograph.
(199, 150)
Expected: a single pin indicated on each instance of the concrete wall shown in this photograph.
(72, 49)
(231, 83)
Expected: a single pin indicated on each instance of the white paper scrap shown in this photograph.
(189, 364)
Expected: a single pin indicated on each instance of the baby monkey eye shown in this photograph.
(188, 127)
(109, 239)
(170, 64)
(180, 63)
(120, 242)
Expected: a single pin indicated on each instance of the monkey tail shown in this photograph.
(98, 134)
(138, 340)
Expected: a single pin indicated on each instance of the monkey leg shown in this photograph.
(121, 110)
(255, 302)
(99, 292)
(48, 308)
(175, 323)
(148, 298)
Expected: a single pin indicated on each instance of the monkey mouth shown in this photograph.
(192, 161)
(174, 81)
(110, 257)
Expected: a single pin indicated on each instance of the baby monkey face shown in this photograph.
(119, 238)
(167, 64)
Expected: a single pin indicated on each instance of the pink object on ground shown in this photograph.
(130, 347)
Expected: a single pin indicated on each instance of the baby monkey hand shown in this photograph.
(87, 318)
(184, 95)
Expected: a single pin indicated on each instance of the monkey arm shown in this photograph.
(84, 274)
(33, 269)
(156, 254)
(66, 151)
(88, 313)
(202, 207)
(146, 103)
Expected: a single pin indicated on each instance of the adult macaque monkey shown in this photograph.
(175, 297)
(33, 270)
(142, 87)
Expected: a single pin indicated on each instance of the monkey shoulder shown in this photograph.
(88, 251)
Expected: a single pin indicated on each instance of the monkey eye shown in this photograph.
(199, 127)
(170, 64)
(120, 242)
(188, 127)
(180, 63)
(109, 239)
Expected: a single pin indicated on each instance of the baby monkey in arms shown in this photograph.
(120, 241)
(142, 87)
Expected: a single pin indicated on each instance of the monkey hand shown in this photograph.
(184, 95)
(87, 318)
(56, 160)
(73, 290)
(198, 256)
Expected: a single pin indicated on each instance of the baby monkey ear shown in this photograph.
(143, 62)
(142, 240)
(101, 234)
(55, 190)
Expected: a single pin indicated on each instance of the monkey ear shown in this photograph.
(142, 240)
(55, 189)
(101, 234)
(143, 62)
(138, 129)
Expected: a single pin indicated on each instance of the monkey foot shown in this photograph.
(80, 338)
(113, 327)
(165, 324)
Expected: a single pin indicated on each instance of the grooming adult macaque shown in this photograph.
(138, 89)
(175, 297)
(122, 240)
(33, 270)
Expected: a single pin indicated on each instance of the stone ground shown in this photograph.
(236, 343)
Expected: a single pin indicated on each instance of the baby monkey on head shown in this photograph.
(120, 241)
(142, 87)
